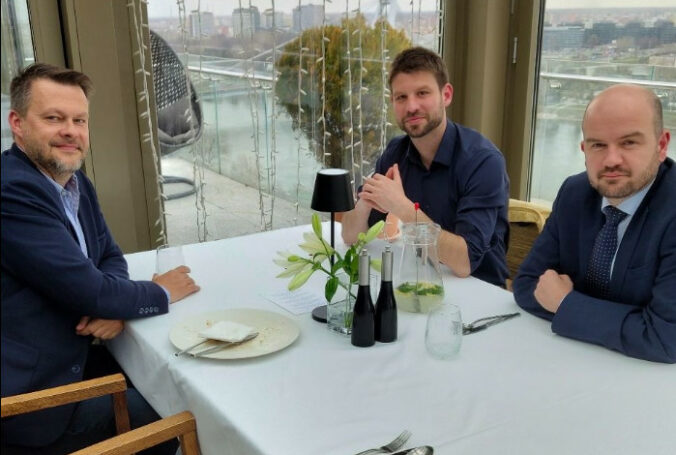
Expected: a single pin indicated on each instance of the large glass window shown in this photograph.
(283, 89)
(585, 49)
(17, 53)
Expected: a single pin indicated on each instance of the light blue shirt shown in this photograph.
(70, 199)
(628, 206)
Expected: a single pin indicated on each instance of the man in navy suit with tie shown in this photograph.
(604, 268)
(64, 279)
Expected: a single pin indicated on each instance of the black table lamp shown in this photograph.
(332, 193)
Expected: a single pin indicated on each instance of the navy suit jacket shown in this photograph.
(48, 285)
(639, 319)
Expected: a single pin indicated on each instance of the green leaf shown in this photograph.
(373, 231)
(348, 256)
(376, 264)
(317, 225)
(361, 237)
(337, 266)
(300, 279)
(330, 288)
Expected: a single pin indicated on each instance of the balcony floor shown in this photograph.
(233, 209)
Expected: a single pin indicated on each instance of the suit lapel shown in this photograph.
(630, 240)
(631, 237)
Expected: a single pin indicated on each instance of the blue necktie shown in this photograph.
(598, 272)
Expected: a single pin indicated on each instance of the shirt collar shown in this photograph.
(71, 185)
(630, 205)
(447, 145)
(444, 153)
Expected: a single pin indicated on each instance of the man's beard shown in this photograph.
(50, 163)
(432, 123)
(621, 191)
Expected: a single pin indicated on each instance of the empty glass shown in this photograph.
(443, 335)
(168, 258)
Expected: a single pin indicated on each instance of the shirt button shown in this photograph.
(75, 369)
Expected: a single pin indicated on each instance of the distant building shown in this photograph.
(307, 16)
(666, 32)
(203, 22)
(245, 21)
(601, 33)
(557, 38)
(270, 14)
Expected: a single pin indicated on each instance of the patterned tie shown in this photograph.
(598, 272)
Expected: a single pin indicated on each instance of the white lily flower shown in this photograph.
(314, 245)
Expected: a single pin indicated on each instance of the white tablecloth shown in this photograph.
(515, 388)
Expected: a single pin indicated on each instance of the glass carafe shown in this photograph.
(418, 285)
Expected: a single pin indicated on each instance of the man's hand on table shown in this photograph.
(177, 282)
(104, 329)
(551, 289)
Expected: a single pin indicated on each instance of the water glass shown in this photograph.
(168, 258)
(443, 335)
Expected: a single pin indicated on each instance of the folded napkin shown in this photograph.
(227, 331)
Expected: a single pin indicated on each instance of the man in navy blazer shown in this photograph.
(625, 148)
(64, 279)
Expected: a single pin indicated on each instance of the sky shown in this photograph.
(168, 8)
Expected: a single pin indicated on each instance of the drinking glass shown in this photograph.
(168, 258)
(443, 335)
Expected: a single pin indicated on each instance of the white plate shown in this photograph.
(275, 332)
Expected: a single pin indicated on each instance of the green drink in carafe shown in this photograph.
(419, 288)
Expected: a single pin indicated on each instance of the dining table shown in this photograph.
(513, 388)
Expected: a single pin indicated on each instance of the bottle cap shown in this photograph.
(364, 268)
(386, 268)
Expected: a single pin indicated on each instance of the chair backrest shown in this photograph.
(180, 426)
(526, 221)
(114, 385)
(179, 113)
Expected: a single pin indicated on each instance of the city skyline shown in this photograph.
(168, 8)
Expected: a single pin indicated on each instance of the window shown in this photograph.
(17, 53)
(584, 50)
(282, 93)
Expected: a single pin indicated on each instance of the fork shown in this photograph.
(391, 446)
(484, 323)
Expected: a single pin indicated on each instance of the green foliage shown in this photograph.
(420, 288)
(336, 88)
(300, 268)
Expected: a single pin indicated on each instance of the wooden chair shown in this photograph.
(526, 221)
(180, 426)
(114, 385)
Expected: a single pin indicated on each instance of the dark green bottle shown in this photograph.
(386, 306)
(363, 319)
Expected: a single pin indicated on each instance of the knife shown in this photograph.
(224, 345)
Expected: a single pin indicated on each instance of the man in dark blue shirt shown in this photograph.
(456, 175)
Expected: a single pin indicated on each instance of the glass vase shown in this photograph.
(339, 309)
